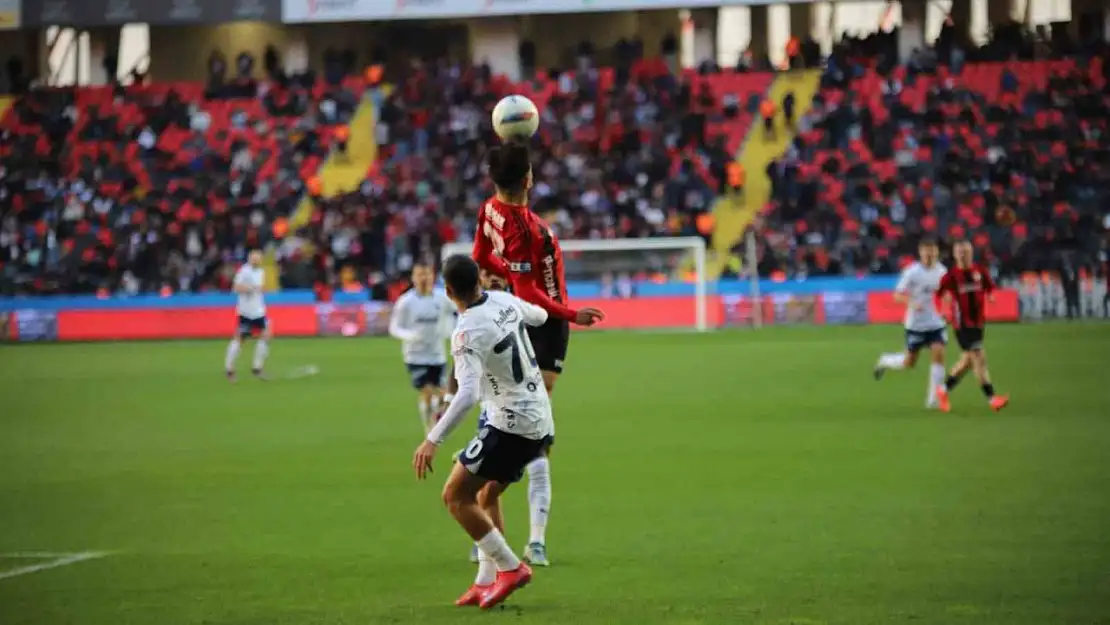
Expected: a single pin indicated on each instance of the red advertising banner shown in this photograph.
(653, 312)
(372, 318)
(774, 309)
(181, 323)
(336, 320)
(881, 307)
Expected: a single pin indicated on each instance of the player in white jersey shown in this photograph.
(494, 359)
(423, 319)
(249, 283)
(925, 327)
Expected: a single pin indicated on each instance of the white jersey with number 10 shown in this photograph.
(491, 343)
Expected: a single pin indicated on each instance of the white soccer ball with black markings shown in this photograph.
(515, 118)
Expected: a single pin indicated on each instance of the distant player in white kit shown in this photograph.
(494, 360)
(423, 319)
(925, 327)
(248, 285)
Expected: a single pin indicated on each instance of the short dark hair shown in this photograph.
(460, 274)
(930, 241)
(509, 165)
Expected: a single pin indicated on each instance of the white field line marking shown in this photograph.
(59, 559)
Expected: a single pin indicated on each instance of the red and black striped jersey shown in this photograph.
(969, 288)
(516, 244)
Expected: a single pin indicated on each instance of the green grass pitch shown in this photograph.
(737, 477)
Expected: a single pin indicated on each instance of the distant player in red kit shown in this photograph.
(969, 286)
(516, 244)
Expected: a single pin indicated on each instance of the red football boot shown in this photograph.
(998, 402)
(473, 595)
(507, 583)
(942, 399)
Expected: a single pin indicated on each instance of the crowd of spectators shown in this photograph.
(622, 153)
(158, 188)
(164, 187)
(1014, 155)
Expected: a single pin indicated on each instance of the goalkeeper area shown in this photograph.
(717, 478)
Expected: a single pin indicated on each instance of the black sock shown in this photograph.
(988, 390)
(952, 381)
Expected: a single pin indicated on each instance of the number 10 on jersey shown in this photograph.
(517, 343)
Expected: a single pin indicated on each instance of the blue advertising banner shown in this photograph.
(37, 325)
(842, 308)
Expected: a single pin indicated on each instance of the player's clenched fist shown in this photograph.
(492, 281)
(589, 316)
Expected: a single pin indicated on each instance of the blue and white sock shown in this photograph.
(539, 498)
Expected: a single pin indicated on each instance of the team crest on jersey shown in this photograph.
(458, 343)
(975, 276)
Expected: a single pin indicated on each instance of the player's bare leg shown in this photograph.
(489, 499)
(894, 361)
(460, 495)
(979, 366)
(539, 495)
(936, 374)
(505, 582)
(261, 351)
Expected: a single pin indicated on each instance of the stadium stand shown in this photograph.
(625, 152)
(1013, 155)
(158, 187)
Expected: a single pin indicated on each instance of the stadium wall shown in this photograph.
(297, 313)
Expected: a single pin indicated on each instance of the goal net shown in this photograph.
(656, 283)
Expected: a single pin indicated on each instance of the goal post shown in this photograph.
(640, 283)
(751, 259)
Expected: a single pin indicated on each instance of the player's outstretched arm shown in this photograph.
(530, 292)
(468, 372)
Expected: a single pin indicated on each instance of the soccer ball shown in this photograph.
(515, 117)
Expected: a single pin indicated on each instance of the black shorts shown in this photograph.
(915, 340)
(483, 422)
(499, 456)
(248, 326)
(426, 375)
(550, 344)
(970, 339)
